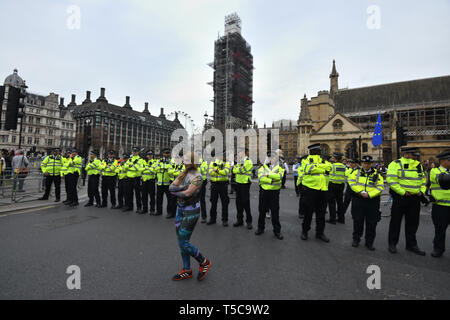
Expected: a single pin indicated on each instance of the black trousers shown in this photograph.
(297, 188)
(365, 212)
(269, 200)
(410, 208)
(48, 184)
(301, 200)
(335, 197)
(219, 189)
(66, 186)
(121, 187)
(283, 180)
(203, 199)
(347, 198)
(441, 220)
(148, 188)
(108, 186)
(93, 193)
(243, 202)
(315, 201)
(171, 201)
(72, 181)
(133, 187)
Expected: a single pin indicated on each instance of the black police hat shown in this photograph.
(136, 149)
(338, 154)
(367, 159)
(315, 146)
(326, 156)
(111, 152)
(125, 155)
(75, 150)
(94, 152)
(166, 150)
(351, 160)
(444, 155)
(150, 152)
(410, 149)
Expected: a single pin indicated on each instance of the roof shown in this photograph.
(14, 80)
(388, 95)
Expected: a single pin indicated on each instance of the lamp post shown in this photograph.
(87, 135)
(21, 113)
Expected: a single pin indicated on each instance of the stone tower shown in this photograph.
(334, 87)
(305, 127)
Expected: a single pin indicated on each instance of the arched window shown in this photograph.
(337, 125)
(325, 148)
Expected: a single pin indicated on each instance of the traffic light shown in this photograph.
(2, 94)
(348, 153)
(14, 108)
(402, 138)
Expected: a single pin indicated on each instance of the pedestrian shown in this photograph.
(407, 183)
(440, 196)
(243, 172)
(203, 169)
(336, 189)
(219, 170)
(2, 168)
(295, 168)
(299, 186)
(285, 173)
(186, 189)
(164, 170)
(314, 172)
(51, 168)
(122, 183)
(233, 182)
(93, 170)
(366, 185)
(270, 177)
(20, 169)
(352, 166)
(109, 177)
(134, 167)
(148, 184)
(73, 174)
(64, 173)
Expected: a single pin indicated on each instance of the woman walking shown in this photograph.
(186, 188)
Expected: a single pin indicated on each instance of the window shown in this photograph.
(325, 148)
(364, 147)
(337, 125)
(36, 141)
(29, 140)
(38, 130)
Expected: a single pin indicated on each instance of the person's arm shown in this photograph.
(189, 192)
(379, 188)
(392, 179)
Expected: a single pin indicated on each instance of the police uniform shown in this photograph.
(133, 168)
(203, 170)
(440, 195)
(243, 179)
(148, 184)
(219, 171)
(164, 172)
(122, 181)
(73, 165)
(314, 176)
(51, 168)
(109, 176)
(348, 189)
(299, 187)
(365, 209)
(336, 190)
(93, 170)
(407, 183)
(64, 175)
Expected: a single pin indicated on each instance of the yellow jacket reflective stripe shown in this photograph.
(372, 182)
(313, 173)
(406, 175)
(74, 165)
(217, 173)
(109, 169)
(203, 169)
(337, 174)
(93, 167)
(441, 196)
(243, 171)
(164, 172)
(270, 179)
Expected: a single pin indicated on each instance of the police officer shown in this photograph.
(109, 176)
(51, 168)
(336, 189)
(440, 195)
(352, 166)
(148, 183)
(203, 169)
(366, 185)
(64, 173)
(133, 168)
(407, 183)
(164, 172)
(295, 168)
(73, 173)
(314, 172)
(243, 178)
(299, 186)
(93, 169)
(270, 177)
(219, 171)
(122, 183)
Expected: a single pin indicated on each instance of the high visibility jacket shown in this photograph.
(337, 174)
(314, 171)
(203, 169)
(349, 171)
(177, 169)
(109, 167)
(406, 175)
(270, 178)
(147, 172)
(164, 172)
(134, 167)
(441, 196)
(74, 165)
(94, 167)
(64, 168)
(121, 170)
(219, 171)
(372, 182)
(52, 165)
(243, 171)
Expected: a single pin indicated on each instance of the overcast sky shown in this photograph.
(157, 51)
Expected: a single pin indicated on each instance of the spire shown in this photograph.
(304, 110)
(333, 70)
(334, 87)
(146, 108)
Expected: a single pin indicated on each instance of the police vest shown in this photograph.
(314, 172)
(109, 167)
(177, 169)
(64, 168)
(74, 165)
(441, 196)
(203, 169)
(147, 172)
(121, 170)
(270, 179)
(337, 173)
(243, 172)
(134, 167)
(164, 171)
(371, 182)
(406, 175)
(219, 171)
(94, 167)
(52, 165)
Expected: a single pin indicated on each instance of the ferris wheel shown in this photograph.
(186, 121)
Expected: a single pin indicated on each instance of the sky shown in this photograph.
(158, 51)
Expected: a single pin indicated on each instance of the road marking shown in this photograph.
(25, 211)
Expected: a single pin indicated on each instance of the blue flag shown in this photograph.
(377, 138)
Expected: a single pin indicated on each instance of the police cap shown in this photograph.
(367, 159)
(315, 146)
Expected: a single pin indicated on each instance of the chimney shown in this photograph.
(88, 98)
(162, 115)
(146, 108)
(102, 95)
(127, 102)
(61, 103)
(72, 103)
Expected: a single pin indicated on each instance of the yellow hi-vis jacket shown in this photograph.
(177, 169)
(64, 168)
(148, 173)
(219, 171)
(134, 166)
(108, 168)
(441, 196)
(406, 175)
(74, 165)
(372, 182)
(94, 167)
(121, 170)
(337, 173)
(164, 172)
(243, 171)
(203, 169)
(270, 178)
(52, 165)
(313, 173)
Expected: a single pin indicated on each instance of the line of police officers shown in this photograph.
(320, 182)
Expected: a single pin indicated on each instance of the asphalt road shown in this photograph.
(131, 256)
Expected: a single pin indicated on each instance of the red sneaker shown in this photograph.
(203, 270)
(183, 274)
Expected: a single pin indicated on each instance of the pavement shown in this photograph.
(131, 256)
